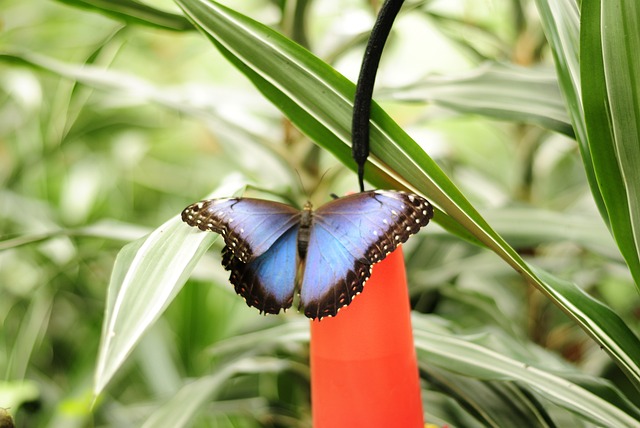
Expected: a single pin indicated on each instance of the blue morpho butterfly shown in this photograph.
(272, 247)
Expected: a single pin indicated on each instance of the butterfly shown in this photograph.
(272, 249)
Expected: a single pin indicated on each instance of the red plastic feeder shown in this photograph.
(364, 371)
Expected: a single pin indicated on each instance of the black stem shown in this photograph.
(366, 80)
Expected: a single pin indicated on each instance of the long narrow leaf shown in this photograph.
(496, 90)
(184, 406)
(611, 96)
(561, 23)
(134, 12)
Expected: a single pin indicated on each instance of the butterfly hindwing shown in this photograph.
(268, 281)
(348, 236)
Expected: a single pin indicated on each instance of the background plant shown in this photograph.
(115, 119)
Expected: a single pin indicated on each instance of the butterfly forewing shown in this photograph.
(348, 236)
(249, 226)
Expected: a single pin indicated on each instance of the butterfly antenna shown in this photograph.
(324, 174)
(304, 189)
(366, 80)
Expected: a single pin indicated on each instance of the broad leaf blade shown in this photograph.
(139, 290)
(147, 275)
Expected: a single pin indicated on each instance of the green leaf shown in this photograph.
(611, 96)
(318, 100)
(112, 82)
(561, 23)
(500, 91)
(134, 12)
(592, 315)
(186, 403)
(525, 226)
(485, 400)
(602, 92)
(147, 275)
(468, 355)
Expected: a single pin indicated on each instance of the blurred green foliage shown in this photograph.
(113, 117)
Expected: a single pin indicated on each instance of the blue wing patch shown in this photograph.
(268, 281)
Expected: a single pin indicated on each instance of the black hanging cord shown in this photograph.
(366, 80)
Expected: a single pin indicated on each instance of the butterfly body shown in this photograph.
(272, 249)
(305, 230)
